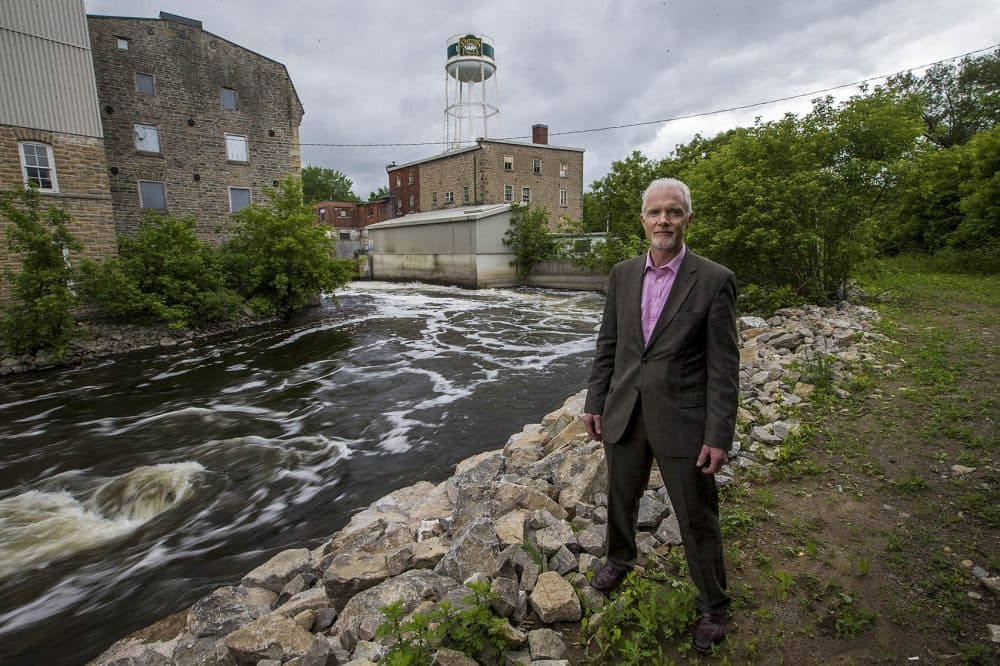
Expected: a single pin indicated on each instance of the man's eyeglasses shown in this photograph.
(673, 214)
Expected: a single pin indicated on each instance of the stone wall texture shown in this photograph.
(82, 178)
(190, 67)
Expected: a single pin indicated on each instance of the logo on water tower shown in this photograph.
(470, 46)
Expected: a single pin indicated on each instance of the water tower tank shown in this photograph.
(470, 64)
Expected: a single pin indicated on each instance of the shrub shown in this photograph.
(40, 319)
(278, 258)
(529, 238)
(164, 273)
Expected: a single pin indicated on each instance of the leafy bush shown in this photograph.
(278, 258)
(40, 319)
(473, 630)
(164, 273)
(529, 238)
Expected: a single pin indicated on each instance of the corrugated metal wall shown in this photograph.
(46, 69)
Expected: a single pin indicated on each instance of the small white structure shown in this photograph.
(462, 247)
(467, 99)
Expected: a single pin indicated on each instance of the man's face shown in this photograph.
(664, 220)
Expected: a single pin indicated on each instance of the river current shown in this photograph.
(132, 487)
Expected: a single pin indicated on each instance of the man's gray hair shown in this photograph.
(678, 185)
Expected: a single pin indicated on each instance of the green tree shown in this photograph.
(323, 184)
(378, 194)
(616, 200)
(40, 319)
(164, 273)
(529, 238)
(278, 258)
(960, 99)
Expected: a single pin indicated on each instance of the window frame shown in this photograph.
(53, 180)
(434, 199)
(152, 78)
(526, 195)
(508, 162)
(163, 187)
(449, 197)
(122, 40)
(413, 202)
(563, 170)
(155, 129)
(246, 145)
(563, 198)
(508, 193)
(536, 166)
(222, 98)
(466, 195)
(242, 189)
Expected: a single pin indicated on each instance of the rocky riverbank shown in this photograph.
(420, 544)
(96, 340)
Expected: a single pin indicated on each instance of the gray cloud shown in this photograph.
(373, 72)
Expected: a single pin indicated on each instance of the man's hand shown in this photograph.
(710, 459)
(593, 423)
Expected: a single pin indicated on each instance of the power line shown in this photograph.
(701, 114)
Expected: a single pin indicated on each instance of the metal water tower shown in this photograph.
(471, 63)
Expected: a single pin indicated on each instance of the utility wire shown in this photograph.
(701, 114)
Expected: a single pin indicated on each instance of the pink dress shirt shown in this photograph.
(656, 285)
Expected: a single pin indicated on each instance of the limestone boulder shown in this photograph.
(554, 599)
(227, 609)
(474, 550)
(349, 574)
(270, 637)
(279, 570)
(546, 644)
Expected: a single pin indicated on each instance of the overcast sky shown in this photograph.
(372, 71)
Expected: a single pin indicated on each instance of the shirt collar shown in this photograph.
(673, 264)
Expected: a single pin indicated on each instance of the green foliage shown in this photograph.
(529, 238)
(323, 184)
(163, 274)
(754, 298)
(473, 630)
(40, 319)
(644, 611)
(278, 257)
(378, 194)
(615, 201)
(612, 250)
(849, 620)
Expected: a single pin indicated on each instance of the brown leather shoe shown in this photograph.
(608, 577)
(709, 631)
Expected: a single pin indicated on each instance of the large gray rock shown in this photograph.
(446, 657)
(552, 538)
(510, 527)
(312, 599)
(270, 637)
(427, 553)
(191, 651)
(546, 644)
(505, 594)
(669, 532)
(473, 550)
(227, 609)
(279, 570)
(362, 615)
(563, 561)
(349, 574)
(133, 652)
(591, 540)
(554, 599)
(651, 511)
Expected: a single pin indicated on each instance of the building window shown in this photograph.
(399, 181)
(434, 199)
(508, 193)
(563, 170)
(152, 195)
(147, 138)
(322, 214)
(562, 198)
(536, 166)
(239, 198)
(449, 197)
(237, 149)
(229, 98)
(145, 84)
(465, 194)
(409, 178)
(122, 43)
(345, 235)
(508, 162)
(411, 203)
(525, 195)
(38, 167)
(342, 213)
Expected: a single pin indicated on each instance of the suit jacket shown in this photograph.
(688, 374)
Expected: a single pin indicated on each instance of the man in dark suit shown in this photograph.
(664, 385)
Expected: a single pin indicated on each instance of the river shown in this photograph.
(132, 487)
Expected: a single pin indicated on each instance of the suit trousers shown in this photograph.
(695, 501)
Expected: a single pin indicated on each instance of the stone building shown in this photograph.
(194, 125)
(494, 171)
(50, 125)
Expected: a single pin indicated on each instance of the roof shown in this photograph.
(444, 215)
(458, 151)
(334, 204)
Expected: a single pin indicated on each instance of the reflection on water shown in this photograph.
(133, 487)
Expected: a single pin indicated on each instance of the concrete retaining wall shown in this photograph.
(565, 274)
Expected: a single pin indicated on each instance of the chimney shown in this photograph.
(540, 134)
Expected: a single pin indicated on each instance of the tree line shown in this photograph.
(274, 259)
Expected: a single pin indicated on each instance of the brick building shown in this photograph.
(50, 125)
(491, 172)
(194, 125)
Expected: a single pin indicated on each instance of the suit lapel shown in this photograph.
(683, 283)
(634, 289)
